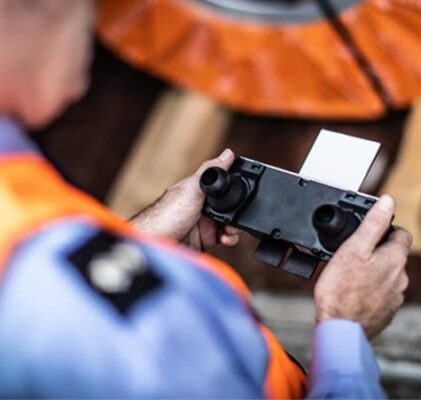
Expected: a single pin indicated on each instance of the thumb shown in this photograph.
(224, 161)
(189, 188)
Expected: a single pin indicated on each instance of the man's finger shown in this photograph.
(208, 232)
(224, 160)
(229, 240)
(394, 253)
(374, 225)
(401, 236)
(230, 230)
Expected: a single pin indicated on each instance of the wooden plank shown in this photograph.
(183, 130)
(404, 181)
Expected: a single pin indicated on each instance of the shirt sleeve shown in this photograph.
(13, 140)
(343, 364)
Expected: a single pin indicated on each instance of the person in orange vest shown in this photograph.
(93, 306)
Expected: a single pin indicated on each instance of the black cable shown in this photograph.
(346, 37)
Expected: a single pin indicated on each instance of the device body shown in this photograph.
(299, 222)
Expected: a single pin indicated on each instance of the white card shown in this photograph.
(339, 160)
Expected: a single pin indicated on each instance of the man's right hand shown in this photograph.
(364, 281)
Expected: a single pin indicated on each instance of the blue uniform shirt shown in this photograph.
(186, 335)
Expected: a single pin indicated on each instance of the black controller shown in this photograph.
(299, 222)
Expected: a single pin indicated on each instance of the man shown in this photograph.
(93, 307)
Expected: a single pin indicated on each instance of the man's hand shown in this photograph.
(177, 213)
(363, 282)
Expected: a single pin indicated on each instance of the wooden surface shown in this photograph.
(404, 181)
(183, 130)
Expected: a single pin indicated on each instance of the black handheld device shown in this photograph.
(299, 222)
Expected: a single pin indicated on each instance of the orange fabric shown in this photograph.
(32, 195)
(390, 36)
(284, 379)
(300, 70)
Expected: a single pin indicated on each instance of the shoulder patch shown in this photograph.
(116, 269)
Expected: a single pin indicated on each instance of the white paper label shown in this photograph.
(339, 160)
